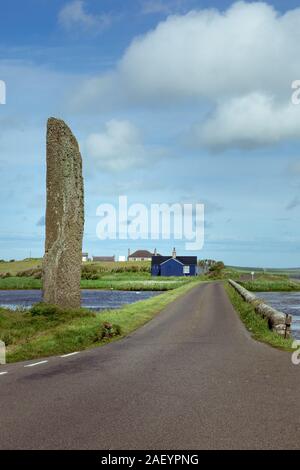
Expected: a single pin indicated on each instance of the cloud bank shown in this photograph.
(239, 63)
(118, 147)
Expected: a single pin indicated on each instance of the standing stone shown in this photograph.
(64, 217)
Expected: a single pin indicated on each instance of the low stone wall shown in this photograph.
(278, 321)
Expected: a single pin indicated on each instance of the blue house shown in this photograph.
(174, 265)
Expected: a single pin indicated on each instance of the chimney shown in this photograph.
(174, 253)
(128, 253)
(155, 252)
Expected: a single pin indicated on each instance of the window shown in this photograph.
(186, 270)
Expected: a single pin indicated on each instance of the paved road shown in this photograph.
(190, 379)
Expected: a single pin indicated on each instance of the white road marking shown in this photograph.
(70, 354)
(3, 373)
(36, 364)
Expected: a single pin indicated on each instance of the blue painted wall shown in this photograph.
(193, 270)
(155, 270)
(171, 268)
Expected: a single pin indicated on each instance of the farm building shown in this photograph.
(104, 259)
(85, 257)
(174, 265)
(141, 255)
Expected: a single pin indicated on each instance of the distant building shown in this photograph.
(85, 257)
(104, 259)
(122, 259)
(174, 265)
(141, 255)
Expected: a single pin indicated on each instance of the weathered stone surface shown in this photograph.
(64, 217)
(278, 321)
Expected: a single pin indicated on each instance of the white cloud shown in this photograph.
(73, 15)
(249, 121)
(225, 60)
(212, 54)
(118, 147)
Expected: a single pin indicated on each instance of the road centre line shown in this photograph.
(36, 364)
(70, 354)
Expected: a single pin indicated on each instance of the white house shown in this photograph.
(142, 255)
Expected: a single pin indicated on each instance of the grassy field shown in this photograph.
(271, 284)
(137, 285)
(116, 282)
(16, 266)
(117, 276)
(257, 326)
(46, 330)
(136, 276)
(263, 281)
(284, 271)
(20, 283)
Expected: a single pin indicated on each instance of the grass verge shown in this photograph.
(47, 331)
(255, 324)
(271, 285)
(14, 283)
(116, 282)
(141, 285)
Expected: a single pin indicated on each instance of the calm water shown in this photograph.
(92, 299)
(287, 302)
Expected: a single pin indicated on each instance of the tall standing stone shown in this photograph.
(64, 217)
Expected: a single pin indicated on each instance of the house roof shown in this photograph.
(175, 260)
(85, 254)
(141, 254)
(103, 258)
(187, 260)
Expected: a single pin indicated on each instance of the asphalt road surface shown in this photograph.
(192, 378)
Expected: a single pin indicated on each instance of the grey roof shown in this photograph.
(104, 258)
(141, 254)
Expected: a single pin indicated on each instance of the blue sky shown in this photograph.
(171, 101)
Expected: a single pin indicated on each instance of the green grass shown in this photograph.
(270, 284)
(52, 332)
(263, 281)
(106, 280)
(159, 284)
(118, 266)
(284, 271)
(20, 283)
(117, 276)
(17, 266)
(116, 282)
(257, 326)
